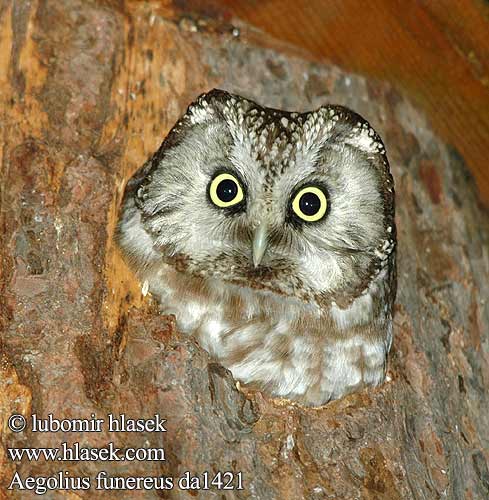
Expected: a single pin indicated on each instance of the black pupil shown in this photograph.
(309, 204)
(227, 190)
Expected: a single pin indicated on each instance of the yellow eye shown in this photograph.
(310, 204)
(225, 191)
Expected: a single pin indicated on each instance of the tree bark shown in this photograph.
(88, 92)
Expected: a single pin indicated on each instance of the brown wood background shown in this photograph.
(88, 89)
(435, 52)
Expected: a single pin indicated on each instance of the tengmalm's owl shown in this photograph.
(271, 237)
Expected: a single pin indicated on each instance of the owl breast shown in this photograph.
(282, 345)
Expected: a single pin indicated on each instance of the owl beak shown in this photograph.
(259, 243)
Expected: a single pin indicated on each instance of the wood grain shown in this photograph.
(88, 90)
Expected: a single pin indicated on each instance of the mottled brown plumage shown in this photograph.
(271, 236)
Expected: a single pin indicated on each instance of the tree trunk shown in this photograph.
(88, 92)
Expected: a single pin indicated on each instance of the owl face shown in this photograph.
(299, 205)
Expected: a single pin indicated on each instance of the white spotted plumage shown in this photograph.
(310, 318)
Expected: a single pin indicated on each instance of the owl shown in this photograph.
(270, 236)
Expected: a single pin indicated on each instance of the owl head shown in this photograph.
(296, 204)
